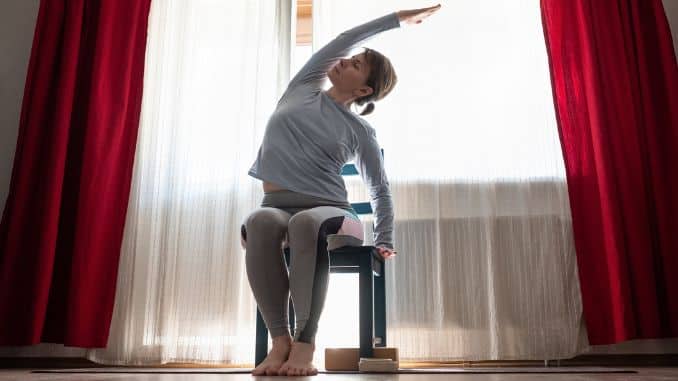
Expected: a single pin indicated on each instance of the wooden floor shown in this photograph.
(644, 373)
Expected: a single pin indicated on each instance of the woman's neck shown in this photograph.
(339, 97)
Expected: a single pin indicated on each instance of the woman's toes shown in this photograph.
(271, 371)
(259, 371)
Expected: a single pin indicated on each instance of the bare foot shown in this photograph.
(276, 357)
(300, 361)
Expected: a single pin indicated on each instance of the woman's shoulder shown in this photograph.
(364, 127)
(297, 94)
(365, 135)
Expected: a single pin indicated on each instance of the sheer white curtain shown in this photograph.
(214, 71)
(486, 266)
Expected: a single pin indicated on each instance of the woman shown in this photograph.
(308, 139)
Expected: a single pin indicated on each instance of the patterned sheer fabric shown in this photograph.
(214, 71)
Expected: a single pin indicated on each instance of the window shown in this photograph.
(304, 37)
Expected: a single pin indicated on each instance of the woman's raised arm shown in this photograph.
(315, 70)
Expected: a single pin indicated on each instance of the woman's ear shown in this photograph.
(364, 91)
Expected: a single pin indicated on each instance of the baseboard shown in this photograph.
(79, 362)
(617, 360)
(620, 360)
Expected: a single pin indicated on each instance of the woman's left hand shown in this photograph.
(416, 16)
(386, 253)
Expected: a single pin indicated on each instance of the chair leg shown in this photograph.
(366, 300)
(261, 349)
(291, 305)
(380, 308)
(291, 318)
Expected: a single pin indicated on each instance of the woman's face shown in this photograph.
(350, 75)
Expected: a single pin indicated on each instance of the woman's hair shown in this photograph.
(382, 79)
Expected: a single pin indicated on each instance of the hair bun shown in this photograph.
(368, 109)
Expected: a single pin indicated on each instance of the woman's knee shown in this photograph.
(304, 222)
(312, 221)
(272, 221)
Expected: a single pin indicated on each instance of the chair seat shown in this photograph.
(334, 241)
(348, 259)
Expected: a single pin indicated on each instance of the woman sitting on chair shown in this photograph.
(309, 137)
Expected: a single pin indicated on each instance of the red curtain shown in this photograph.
(615, 87)
(62, 225)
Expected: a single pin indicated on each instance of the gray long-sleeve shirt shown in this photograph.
(310, 137)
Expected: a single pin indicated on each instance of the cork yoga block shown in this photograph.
(349, 358)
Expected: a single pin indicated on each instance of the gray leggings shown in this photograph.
(309, 226)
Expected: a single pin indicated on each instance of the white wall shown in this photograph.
(17, 23)
(671, 8)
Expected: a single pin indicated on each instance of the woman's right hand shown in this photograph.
(386, 253)
(415, 16)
